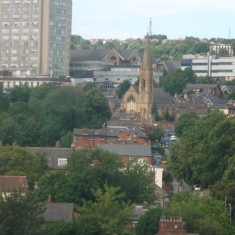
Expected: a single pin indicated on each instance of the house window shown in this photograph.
(62, 161)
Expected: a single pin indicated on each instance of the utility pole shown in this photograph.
(150, 27)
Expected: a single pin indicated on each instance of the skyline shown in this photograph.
(125, 19)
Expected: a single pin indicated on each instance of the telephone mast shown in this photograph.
(150, 27)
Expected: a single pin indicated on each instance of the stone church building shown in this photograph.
(140, 99)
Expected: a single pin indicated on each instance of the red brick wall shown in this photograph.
(171, 226)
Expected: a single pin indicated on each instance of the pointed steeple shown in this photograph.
(147, 63)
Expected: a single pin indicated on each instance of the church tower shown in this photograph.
(146, 85)
(140, 100)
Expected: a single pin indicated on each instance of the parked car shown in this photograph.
(173, 138)
(196, 187)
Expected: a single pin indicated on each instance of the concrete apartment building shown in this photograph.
(35, 37)
(213, 66)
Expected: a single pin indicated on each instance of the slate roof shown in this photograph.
(171, 66)
(202, 87)
(114, 101)
(98, 54)
(161, 97)
(111, 131)
(128, 150)
(228, 88)
(88, 54)
(52, 155)
(125, 53)
(58, 212)
(11, 183)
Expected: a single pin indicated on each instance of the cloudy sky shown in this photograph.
(122, 19)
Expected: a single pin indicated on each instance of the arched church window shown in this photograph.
(131, 98)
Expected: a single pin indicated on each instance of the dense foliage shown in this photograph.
(204, 215)
(90, 169)
(41, 116)
(107, 215)
(161, 47)
(205, 151)
(20, 213)
(19, 161)
(175, 82)
(148, 223)
(124, 86)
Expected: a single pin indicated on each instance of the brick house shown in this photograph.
(10, 183)
(90, 138)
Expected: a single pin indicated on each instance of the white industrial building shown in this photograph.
(213, 66)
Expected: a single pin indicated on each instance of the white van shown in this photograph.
(173, 138)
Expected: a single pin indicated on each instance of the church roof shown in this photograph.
(161, 97)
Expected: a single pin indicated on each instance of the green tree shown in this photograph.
(82, 176)
(89, 86)
(90, 169)
(232, 96)
(185, 121)
(203, 152)
(4, 101)
(156, 134)
(176, 82)
(167, 176)
(138, 182)
(58, 228)
(205, 80)
(18, 161)
(122, 89)
(148, 223)
(20, 214)
(108, 215)
(20, 93)
(200, 214)
(94, 108)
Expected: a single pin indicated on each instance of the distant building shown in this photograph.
(90, 138)
(217, 48)
(84, 62)
(212, 66)
(8, 184)
(35, 37)
(32, 81)
(57, 158)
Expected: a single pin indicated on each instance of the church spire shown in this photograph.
(147, 63)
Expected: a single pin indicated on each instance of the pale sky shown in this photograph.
(122, 19)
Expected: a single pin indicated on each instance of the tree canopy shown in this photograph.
(204, 215)
(124, 86)
(90, 169)
(203, 153)
(20, 213)
(175, 82)
(18, 161)
(41, 116)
